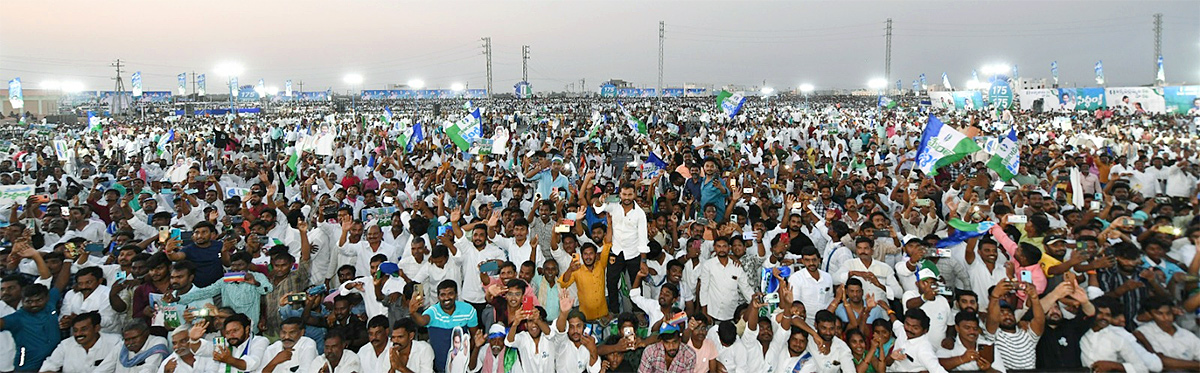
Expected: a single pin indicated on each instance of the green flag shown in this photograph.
(293, 164)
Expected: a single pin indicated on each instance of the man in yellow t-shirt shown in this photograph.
(587, 272)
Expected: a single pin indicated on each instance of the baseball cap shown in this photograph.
(389, 268)
(925, 273)
(1055, 238)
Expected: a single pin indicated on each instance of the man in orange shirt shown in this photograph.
(587, 272)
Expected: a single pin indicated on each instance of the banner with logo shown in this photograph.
(1182, 99)
(673, 92)
(287, 88)
(968, 100)
(941, 100)
(313, 96)
(10, 194)
(137, 84)
(608, 90)
(1054, 71)
(523, 89)
(1049, 99)
(374, 94)
(155, 96)
(1089, 99)
(200, 85)
(247, 93)
(182, 84)
(15, 96)
(1133, 98)
(1000, 95)
(233, 85)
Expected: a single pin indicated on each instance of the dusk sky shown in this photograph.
(831, 44)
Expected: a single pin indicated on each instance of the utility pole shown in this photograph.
(487, 51)
(525, 63)
(301, 86)
(662, 28)
(888, 64)
(194, 91)
(118, 87)
(1157, 42)
(583, 86)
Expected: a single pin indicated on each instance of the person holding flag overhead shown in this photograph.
(942, 145)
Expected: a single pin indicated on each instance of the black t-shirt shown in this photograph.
(208, 262)
(1059, 347)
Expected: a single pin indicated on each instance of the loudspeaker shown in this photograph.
(1038, 105)
(437, 110)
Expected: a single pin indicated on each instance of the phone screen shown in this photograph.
(1027, 276)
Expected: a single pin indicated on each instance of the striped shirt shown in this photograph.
(1017, 348)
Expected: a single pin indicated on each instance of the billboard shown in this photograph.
(1089, 99)
(1133, 98)
(155, 96)
(1048, 96)
(1182, 99)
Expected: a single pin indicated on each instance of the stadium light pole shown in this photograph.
(416, 84)
(353, 80)
(806, 89)
(230, 70)
(457, 88)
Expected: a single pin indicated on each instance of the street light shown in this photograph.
(766, 91)
(877, 84)
(416, 83)
(806, 89)
(457, 87)
(353, 80)
(230, 70)
(996, 69)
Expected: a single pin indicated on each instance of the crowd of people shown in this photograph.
(796, 235)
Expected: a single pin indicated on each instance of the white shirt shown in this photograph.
(959, 349)
(147, 366)
(362, 254)
(471, 290)
(519, 253)
(939, 314)
(835, 256)
(881, 270)
(303, 352)
(348, 364)
(1106, 345)
(572, 358)
(816, 294)
(70, 357)
(647, 305)
(630, 236)
(1183, 345)
(251, 352)
(370, 302)
(200, 365)
(919, 351)
(420, 357)
(74, 303)
(719, 285)
(535, 356)
(370, 362)
(839, 352)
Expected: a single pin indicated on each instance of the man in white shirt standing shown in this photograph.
(877, 277)
(811, 286)
(926, 298)
(292, 351)
(89, 295)
(1105, 350)
(831, 353)
(721, 279)
(87, 351)
(1178, 348)
(631, 242)
(406, 354)
(536, 349)
(913, 351)
(241, 352)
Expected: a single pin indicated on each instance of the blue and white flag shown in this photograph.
(416, 138)
(1054, 71)
(233, 85)
(916, 86)
(201, 85)
(164, 140)
(94, 122)
(653, 165)
(942, 145)
(946, 81)
(1162, 77)
(137, 84)
(1006, 156)
(730, 103)
(964, 231)
(261, 88)
(974, 76)
(287, 88)
(898, 84)
(923, 83)
(1015, 73)
(15, 97)
(1100, 72)
(182, 84)
(387, 116)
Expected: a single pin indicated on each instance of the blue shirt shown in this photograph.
(36, 334)
(208, 262)
(441, 326)
(547, 182)
(710, 193)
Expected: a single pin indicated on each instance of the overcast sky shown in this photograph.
(829, 44)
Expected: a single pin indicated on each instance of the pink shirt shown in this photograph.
(1010, 247)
